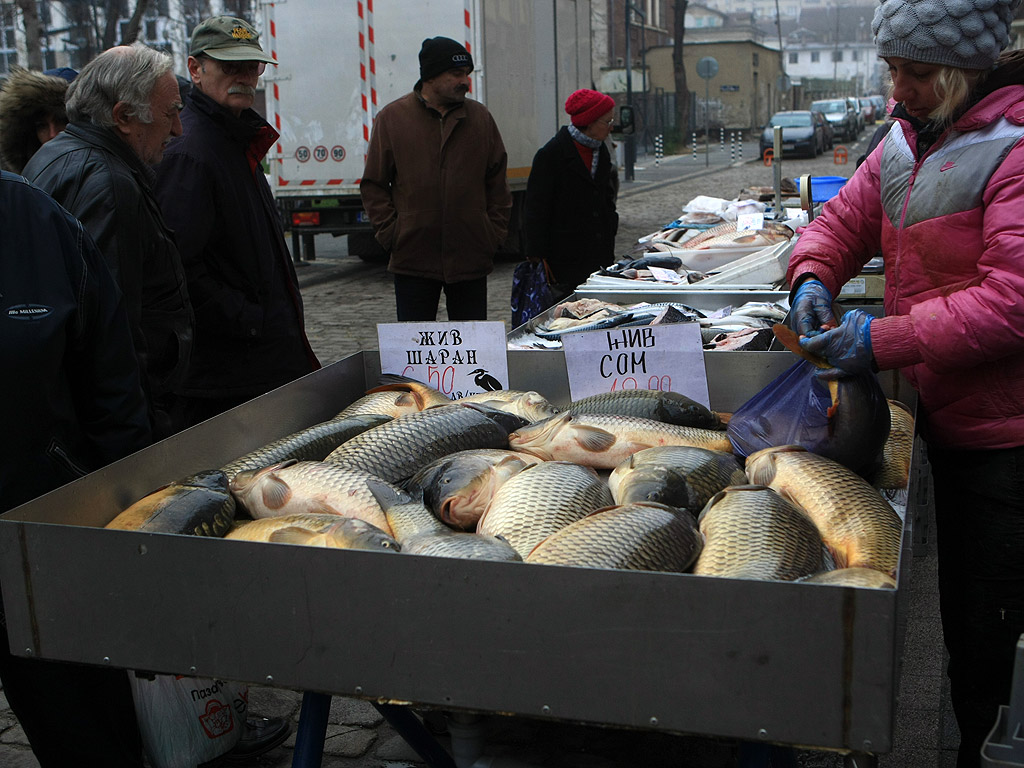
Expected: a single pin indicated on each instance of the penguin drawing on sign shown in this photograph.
(485, 381)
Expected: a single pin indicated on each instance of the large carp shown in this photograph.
(667, 407)
(751, 532)
(201, 505)
(678, 475)
(853, 577)
(310, 444)
(458, 488)
(531, 405)
(856, 523)
(314, 530)
(898, 449)
(397, 396)
(639, 537)
(395, 451)
(420, 533)
(308, 487)
(542, 499)
(604, 440)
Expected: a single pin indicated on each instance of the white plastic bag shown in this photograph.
(185, 721)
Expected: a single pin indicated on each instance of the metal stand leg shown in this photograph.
(309, 736)
(860, 760)
(416, 735)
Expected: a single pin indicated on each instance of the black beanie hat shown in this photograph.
(439, 54)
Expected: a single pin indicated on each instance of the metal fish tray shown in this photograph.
(781, 662)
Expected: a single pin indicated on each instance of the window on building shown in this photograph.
(854, 55)
(151, 29)
(8, 54)
(755, 62)
(815, 57)
(837, 55)
(794, 58)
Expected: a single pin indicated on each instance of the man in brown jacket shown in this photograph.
(435, 190)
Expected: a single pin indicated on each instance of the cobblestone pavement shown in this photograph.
(344, 300)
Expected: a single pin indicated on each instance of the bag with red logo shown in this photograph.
(185, 721)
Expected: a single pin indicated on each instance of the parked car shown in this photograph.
(858, 115)
(867, 108)
(828, 136)
(801, 134)
(839, 114)
(881, 113)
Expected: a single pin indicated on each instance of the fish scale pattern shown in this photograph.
(857, 524)
(540, 500)
(645, 537)
(396, 450)
(753, 533)
(706, 472)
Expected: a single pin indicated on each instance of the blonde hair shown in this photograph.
(953, 87)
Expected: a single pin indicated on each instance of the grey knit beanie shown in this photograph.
(968, 34)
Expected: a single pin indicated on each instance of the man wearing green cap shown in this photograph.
(250, 332)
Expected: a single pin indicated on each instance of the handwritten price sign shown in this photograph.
(663, 357)
(459, 359)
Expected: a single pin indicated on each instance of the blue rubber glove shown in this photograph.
(847, 347)
(812, 308)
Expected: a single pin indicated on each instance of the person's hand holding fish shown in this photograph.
(812, 308)
(847, 347)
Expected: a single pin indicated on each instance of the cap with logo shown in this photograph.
(439, 54)
(227, 38)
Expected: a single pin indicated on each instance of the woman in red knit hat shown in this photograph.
(570, 197)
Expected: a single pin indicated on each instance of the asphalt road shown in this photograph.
(344, 300)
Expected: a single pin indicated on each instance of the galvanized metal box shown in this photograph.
(791, 663)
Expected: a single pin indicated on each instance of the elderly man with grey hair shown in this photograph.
(123, 110)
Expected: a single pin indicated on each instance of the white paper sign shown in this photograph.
(663, 275)
(662, 357)
(459, 359)
(747, 221)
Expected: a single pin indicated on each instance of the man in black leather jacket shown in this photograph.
(124, 109)
(72, 402)
(250, 331)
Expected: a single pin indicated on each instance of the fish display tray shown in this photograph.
(791, 663)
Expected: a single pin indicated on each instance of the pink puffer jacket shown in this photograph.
(950, 225)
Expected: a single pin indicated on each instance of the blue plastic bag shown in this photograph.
(531, 293)
(796, 409)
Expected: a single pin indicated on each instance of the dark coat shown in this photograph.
(570, 216)
(435, 189)
(70, 387)
(250, 332)
(101, 181)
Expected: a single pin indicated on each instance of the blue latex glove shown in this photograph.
(812, 308)
(847, 347)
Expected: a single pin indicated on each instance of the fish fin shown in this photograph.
(321, 507)
(788, 338)
(293, 534)
(594, 439)
(387, 495)
(276, 492)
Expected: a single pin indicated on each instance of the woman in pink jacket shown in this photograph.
(943, 198)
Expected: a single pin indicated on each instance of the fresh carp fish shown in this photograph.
(395, 451)
(201, 505)
(420, 533)
(898, 449)
(667, 407)
(540, 500)
(458, 488)
(751, 532)
(856, 523)
(637, 537)
(678, 475)
(396, 397)
(313, 530)
(853, 577)
(604, 441)
(308, 487)
(531, 405)
(310, 444)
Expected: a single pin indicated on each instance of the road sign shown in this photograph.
(707, 67)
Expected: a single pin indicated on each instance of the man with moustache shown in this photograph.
(250, 332)
(124, 109)
(435, 190)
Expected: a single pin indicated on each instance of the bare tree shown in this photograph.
(33, 33)
(131, 34)
(679, 70)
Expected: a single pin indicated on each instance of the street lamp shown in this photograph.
(630, 144)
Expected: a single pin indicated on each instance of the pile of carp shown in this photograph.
(641, 480)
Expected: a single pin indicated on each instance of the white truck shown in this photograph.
(341, 62)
